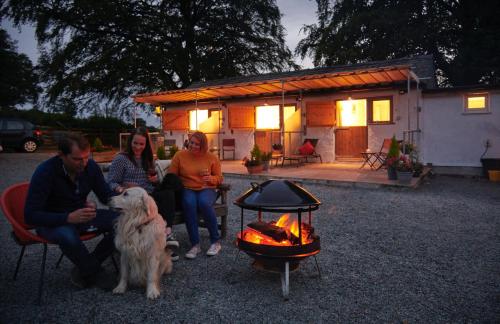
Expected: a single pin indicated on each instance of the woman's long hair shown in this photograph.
(147, 153)
(203, 140)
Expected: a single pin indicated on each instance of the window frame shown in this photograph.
(485, 110)
(369, 114)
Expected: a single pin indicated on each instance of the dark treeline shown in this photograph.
(96, 54)
(462, 35)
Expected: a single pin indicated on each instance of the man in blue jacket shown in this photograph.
(57, 206)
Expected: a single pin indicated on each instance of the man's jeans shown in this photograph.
(68, 238)
(202, 200)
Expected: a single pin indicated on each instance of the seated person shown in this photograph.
(135, 167)
(57, 206)
(200, 172)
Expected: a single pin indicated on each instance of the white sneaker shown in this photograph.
(214, 249)
(193, 253)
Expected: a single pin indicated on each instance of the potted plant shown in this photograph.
(404, 169)
(172, 150)
(254, 164)
(266, 158)
(392, 159)
(160, 153)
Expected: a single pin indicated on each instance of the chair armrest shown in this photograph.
(222, 190)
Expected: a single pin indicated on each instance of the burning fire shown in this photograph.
(289, 224)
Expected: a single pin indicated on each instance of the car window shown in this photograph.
(14, 125)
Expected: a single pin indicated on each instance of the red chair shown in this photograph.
(12, 202)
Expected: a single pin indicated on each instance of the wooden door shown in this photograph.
(263, 140)
(351, 141)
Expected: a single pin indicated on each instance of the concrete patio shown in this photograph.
(337, 174)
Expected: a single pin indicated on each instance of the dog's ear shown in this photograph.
(149, 205)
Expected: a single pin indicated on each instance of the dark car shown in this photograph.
(19, 134)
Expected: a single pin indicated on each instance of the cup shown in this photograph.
(151, 172)
(204, 172)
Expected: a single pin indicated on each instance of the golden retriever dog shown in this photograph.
(140, 237)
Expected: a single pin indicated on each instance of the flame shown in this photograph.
(290, 224)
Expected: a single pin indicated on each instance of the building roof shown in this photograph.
(370, 74)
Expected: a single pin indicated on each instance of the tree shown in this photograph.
(18, 80)
(462, 35)
(102, 52)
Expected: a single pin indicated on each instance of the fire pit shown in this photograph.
(278, 246)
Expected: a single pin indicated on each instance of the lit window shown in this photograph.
(381, 111)
(476, 102)
(288, 112)
(268, 117)
(196, 117)
(351, 112)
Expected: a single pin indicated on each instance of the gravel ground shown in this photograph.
(388, 255)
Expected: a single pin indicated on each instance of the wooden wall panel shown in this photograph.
(241, 117)
(175, 120)
(320, 114)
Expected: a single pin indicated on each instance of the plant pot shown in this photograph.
(391, 173)
(265, 165)
(490, 164)
(494, 175)
(404, 176)
(255, 168)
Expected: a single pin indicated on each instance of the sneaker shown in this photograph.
(193, 252)
(214, 249)
(174, 257)
(171, 241)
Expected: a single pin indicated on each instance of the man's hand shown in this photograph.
(81, 215)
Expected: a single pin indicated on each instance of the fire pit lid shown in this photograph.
(277, 195)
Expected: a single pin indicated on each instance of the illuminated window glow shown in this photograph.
(195, 121)
(267, 117)
(381, 110)
(288, 112)
(476, 102)
(351, 112)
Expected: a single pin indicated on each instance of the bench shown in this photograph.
(220, 206)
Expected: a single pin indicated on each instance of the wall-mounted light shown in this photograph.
(158, 111)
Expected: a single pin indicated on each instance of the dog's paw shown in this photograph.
(120, 289)
(152, 293)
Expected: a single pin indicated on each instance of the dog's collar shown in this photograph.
(140, 226)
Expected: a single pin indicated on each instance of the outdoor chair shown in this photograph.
(229, 145)
(12, 202)
(376, 160)
(314, 154)
(305, 152)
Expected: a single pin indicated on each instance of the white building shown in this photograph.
(349, 109)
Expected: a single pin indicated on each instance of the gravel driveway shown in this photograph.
(388, 255)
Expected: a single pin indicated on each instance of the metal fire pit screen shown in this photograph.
(278, 246)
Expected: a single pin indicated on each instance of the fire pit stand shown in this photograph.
(276, 248)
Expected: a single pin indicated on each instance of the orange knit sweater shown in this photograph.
(188, 167)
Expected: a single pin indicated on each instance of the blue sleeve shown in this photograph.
(116, 171)
(41, 186)
(99, 186)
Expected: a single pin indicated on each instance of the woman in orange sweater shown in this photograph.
(200, 172)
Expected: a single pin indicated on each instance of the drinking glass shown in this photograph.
(91, 204)
(204, 172)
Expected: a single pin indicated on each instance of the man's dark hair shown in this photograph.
(68, 140)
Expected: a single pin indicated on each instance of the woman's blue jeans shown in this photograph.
(203, 201)
(68, 238)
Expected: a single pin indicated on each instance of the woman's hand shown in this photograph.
(208, 179)
(153, 179)
(81, 215)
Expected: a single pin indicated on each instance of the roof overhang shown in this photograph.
(360, 78)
